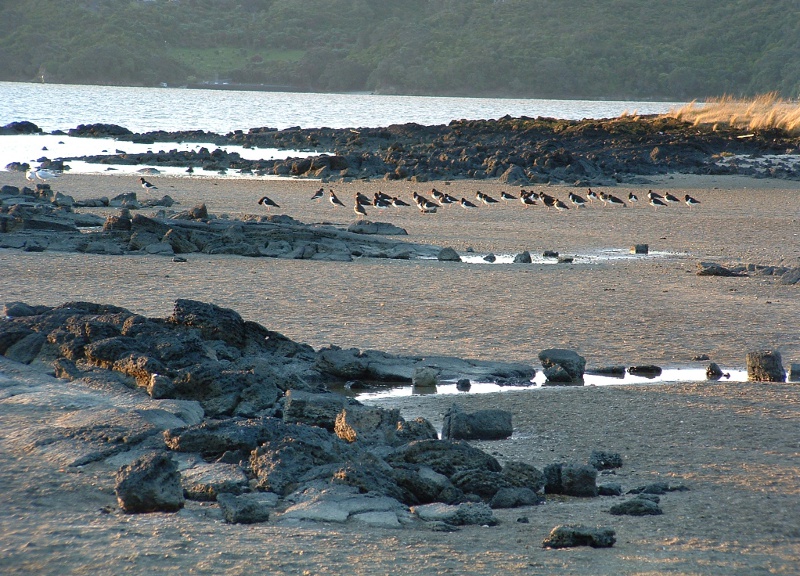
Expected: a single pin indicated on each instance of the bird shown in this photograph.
(655, 202)
(437, 195)
(613, 200)
(691, 201)
(318, 194)
(671, 199)
(379, 201)
(425, 206)
(527, 199)
(632, 197)
(267, 203)
(577, 200)
(651, 195)
(485, 198)
(467, 204)
(603, 197)
(147, 185)
(333, 199)
(592, 195)
(447, 199)
(397, 203)
(507, 196)
(362, 199)
(560, 206)
(547, 200)
(359, 209)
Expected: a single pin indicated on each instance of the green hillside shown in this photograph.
(537, 48)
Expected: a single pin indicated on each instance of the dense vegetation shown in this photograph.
(536, 48)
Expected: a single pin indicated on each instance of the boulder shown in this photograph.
(480, 425)
(448, 255)
(570, 479)
(214, 322)
(456, 514)
(571, 535)
(367, 424)
(636, 507)
(382, 228)
(151, 483)
(523, 258)
(443, 456)
(514, 497)
(713, 371)
(765, 366)
(205, 481)
(425, 377)
(248, 508)
(523, 475)
(714, 269)
(791, 276)
(601, 460)
(301, 407)
(573, 363)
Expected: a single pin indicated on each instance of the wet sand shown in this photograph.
(735, 445)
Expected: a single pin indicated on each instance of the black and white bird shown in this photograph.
(438, 196)
(485, 198)
(381, 201)
(447, 199)
(41, 174)
(614, 201)
(527, 199)
(671, 199)
(397, 203)
(333, 199)
(651, 195)
(632, 197)
(506, 196)
(577, 200)
(268, 203)
(147, 185)
(690, 201)
(467, 204)
(560, 206)
(318, 194)
(656, 201)
(363, 200)
(592, 195)
(547, 200)
(359, 209)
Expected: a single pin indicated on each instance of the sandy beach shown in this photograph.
(734, 445)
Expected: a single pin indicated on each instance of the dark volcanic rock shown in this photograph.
(765, 366)
(572, 535)
(480, 425)
(150, 484)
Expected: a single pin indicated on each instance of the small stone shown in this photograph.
(640, 249)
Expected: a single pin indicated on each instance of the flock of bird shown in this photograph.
(526, 197)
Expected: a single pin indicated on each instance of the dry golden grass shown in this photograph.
(759, 113)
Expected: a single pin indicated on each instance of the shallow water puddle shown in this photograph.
(600, 255)
(667, 376)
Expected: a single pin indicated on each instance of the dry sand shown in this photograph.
(735, 445)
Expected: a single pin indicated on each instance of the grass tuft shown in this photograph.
(759, 113)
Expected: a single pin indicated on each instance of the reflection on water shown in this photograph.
(667, 376)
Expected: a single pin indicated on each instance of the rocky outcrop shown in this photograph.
(41, 220)
(515, 150)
